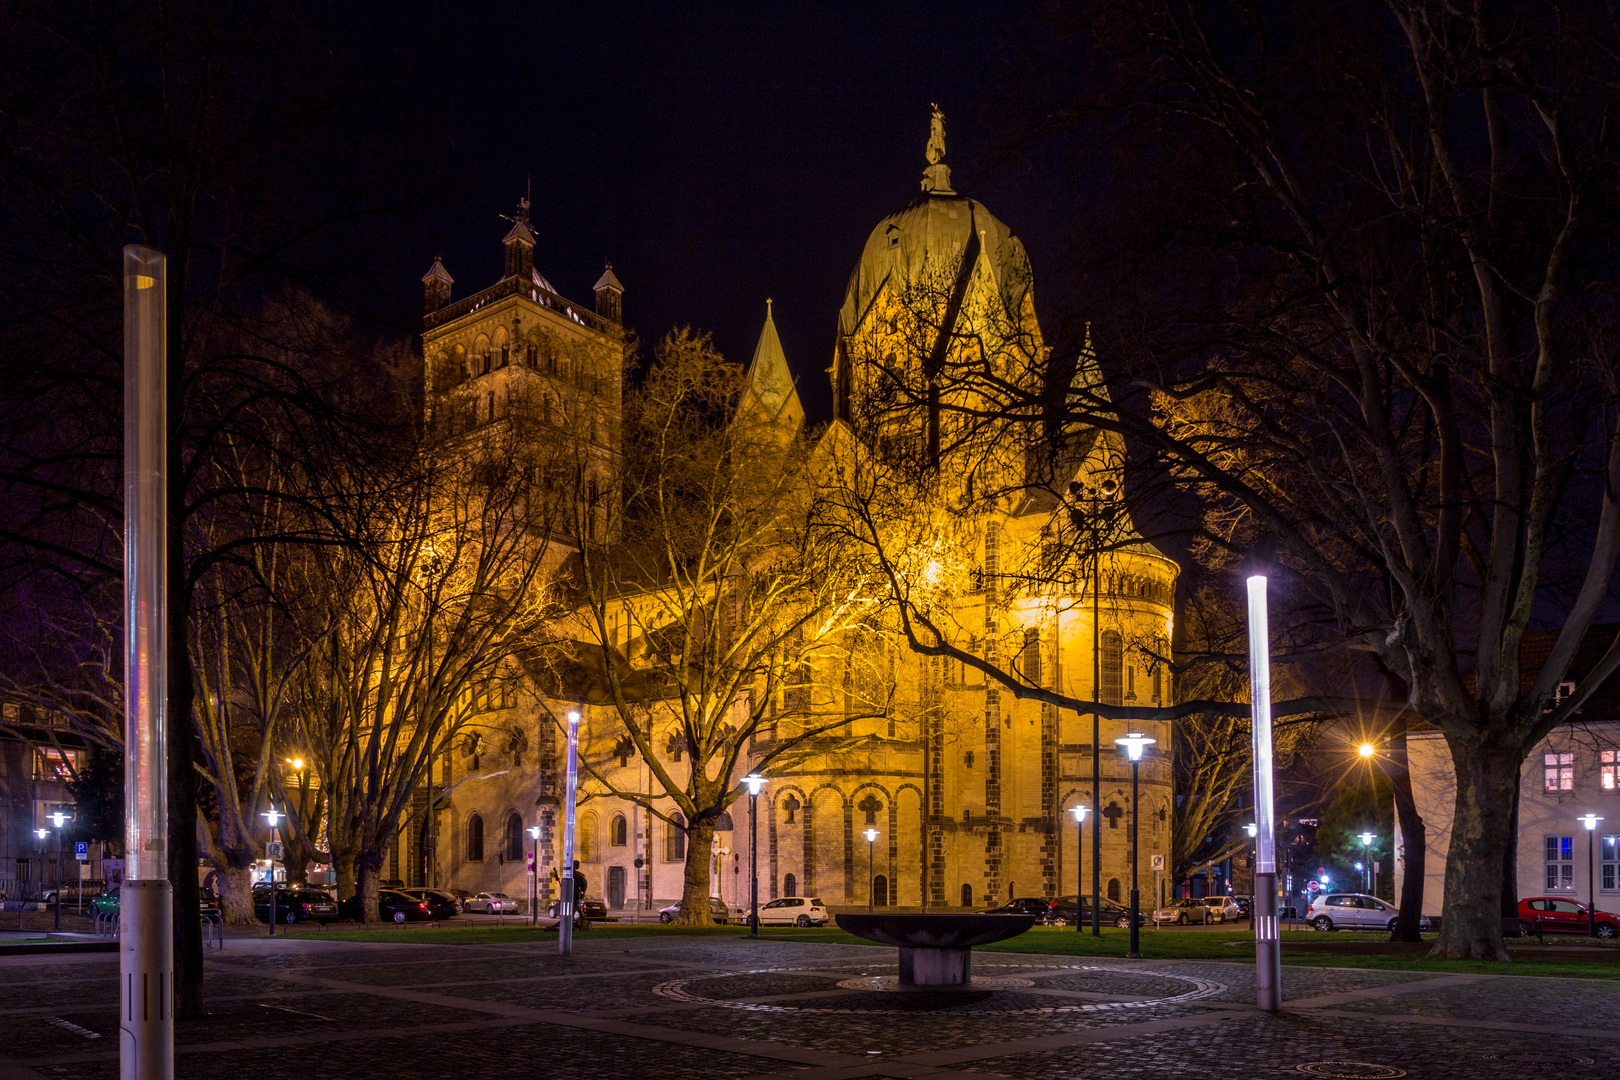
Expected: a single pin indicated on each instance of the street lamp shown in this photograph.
(273, 816)
(58, 819)
(1079, 811)
(1133, 744)
(755, 782)
(871, 839)
(565, 905)
(534, 877)
(1100, 498)
(1253, 830)
(1366, 750)
(1366, 839)
(1591, 823)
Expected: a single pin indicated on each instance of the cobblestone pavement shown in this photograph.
(672, 1008)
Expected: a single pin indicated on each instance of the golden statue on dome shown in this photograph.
(936, 136)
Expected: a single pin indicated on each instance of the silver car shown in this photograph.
(490, 903)
(1350, 911)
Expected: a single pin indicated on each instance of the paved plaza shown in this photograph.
(689, 1007)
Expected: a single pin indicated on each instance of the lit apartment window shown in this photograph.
(1609, 869)
(1609, 765)
(1561, 863)
(59, 766)
(1558, 772)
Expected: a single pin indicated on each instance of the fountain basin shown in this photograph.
(935, 950)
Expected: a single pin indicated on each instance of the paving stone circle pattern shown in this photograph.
(676, 1007)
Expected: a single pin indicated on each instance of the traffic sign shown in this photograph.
(1158, 862)
(81, 850)
(1313, 886)
(273, 850)
(529, 858)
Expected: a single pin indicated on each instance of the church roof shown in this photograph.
(519, 231)
(438, 272)
(608, 280)
(770, 380)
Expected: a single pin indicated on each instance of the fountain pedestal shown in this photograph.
(935, 950)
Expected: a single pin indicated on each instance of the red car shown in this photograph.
(1558, 915)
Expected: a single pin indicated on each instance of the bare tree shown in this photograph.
(725, 631)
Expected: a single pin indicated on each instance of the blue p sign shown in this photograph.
(81, 850)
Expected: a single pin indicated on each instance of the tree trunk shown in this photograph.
(1481, 832)
(695, 894)
(1414, 841)
(236, 896)
(344, 864)
(182, 830)
(369, 865)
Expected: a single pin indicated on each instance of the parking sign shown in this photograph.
(81, 851)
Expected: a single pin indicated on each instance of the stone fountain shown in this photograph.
(935, 950)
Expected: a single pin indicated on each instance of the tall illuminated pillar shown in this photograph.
(1267, 947)
(146, 946)
(567, 904)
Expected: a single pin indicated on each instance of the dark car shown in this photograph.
(590, 907)
(1038, 906)
(1061, 912)
(392, 906)
(441, 904)
(296, 905)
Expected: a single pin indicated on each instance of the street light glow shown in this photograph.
(1252, 829)
(871, 835)
(1367, 750)
(272, 815)
(59, 819)
(1080, 811)
(1133, 744)
(755, 783)
(1366, 839)
(1590, 821)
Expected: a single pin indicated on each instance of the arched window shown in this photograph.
(1031, 659)
(619, 831)
(967, 895)
(475, 839)
(514, 836)
(790, 885)
(1113, 667)
(675, 838)
(587, 851)
(481, 355)
(723, 822)
(503, 347)
(1113, 888)
(880, 891)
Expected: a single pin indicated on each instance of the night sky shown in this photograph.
(717, 155)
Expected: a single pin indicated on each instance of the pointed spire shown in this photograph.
(609, 295)
(436, 286)
(770, 381)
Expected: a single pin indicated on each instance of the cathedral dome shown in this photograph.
(928, 243)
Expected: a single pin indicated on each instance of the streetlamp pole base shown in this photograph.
(146, 962)
(1267, 945)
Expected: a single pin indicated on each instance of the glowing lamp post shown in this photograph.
(1079, 811)
(1366, 750)
(755, 783)
(59, 819)
(1267, 947)
(565, 908)
(534, 876)
(146, 942)
(1366, 839)
(273, 816)
(1252, 829)
(1591, 823)
(871, 840)
(1133, 744)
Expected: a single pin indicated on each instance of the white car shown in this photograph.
(793, 911)
(1221, 909)
(1350, 911)
(490, 903)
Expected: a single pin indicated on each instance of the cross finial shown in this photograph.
(936, 136)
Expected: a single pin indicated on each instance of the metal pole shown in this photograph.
(59, 876)
(534, 885)
(1096, 724)
(272, 896)
(1079, 872)
(565, 907)
(1136, 897)
(146, 949)
(869, 846)
(753, 864)
(1591, 883)
(1267, 947)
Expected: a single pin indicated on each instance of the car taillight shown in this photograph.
(421, 907)
(307, 907)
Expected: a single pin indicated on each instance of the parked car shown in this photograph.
(590, 907)
(106, 903)
(1062, 912)
(788, 911)
(1222, 909)
(392, 906)
(1350, 911)
(441, 904)
(296, 906)
(1559, 915)
(1181, 912)
(1245, 905)
(1022, 905)
(717, 911)
(490, 903)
